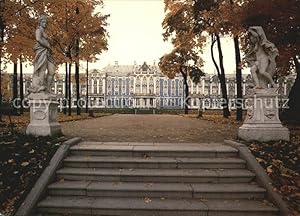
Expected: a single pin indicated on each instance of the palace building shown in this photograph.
(144, 86)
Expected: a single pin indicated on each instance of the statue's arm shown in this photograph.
(41, 40)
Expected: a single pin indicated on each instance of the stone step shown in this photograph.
(165, 190)
(156, 175)
(201, 151)
(153, 162)
(152, 206)
(149, 143)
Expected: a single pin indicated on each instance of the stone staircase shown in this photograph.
(154, 179)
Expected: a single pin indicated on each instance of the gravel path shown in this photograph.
(149, 128)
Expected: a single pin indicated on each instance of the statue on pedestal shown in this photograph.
(262, 122)
(43, 61)
(261, 57)
(43, 104)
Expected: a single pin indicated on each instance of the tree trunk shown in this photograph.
(78, 110)
(226, 112)
(87, 88)
(15, 84)
(293, 113)
(0, 85)
(186, 92)
(1, 43)
(66, 66)
(221, 74)
(21, 86)
(69, 90)
(66, 89)
(77, 79)
(77, 72)
(239, 93)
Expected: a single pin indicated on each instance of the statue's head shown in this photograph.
(43, 19)
(258, 33)
(252, 35)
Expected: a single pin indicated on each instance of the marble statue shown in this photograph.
(43, 104)
(43, 61)
(261, 57)
(262, 122)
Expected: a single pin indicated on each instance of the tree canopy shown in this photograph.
(280, 20)
(67, 20)
(179, 28)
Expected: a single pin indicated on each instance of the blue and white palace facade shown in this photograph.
(144, 86)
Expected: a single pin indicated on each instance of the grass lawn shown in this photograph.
(22, 160)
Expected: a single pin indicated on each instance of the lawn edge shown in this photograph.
(39, 189)
(262, 178)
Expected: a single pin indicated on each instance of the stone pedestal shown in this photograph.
(43, 115)
(262, 122)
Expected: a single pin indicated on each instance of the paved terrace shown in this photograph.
(149, 128)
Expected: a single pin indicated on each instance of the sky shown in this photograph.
(136, 35)
(135, 31)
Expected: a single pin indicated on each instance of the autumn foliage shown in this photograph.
(68, 20)
(179, 29)
(76, 30)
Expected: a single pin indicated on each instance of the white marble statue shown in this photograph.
(261, 57)
(262, 122)
(43, 104)
(43, 61)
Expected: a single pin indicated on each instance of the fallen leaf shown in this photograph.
(147, 200)
(24, 164)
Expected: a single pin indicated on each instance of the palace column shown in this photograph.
(227, 86)
(154, 80)
(203, 86)
(71, 88)
(63, 90)
(92, 86)
(134, 82)
(55, 86)
(148, 85)
(24, 85)
(98, 85)
(235, 88)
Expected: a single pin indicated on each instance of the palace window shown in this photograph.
(95, 86)
(151, 86)
(157, 86)
(100, 86)
(165, 88)
(144, 85)
(180, 90)
(131, 83)
(173, 89)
